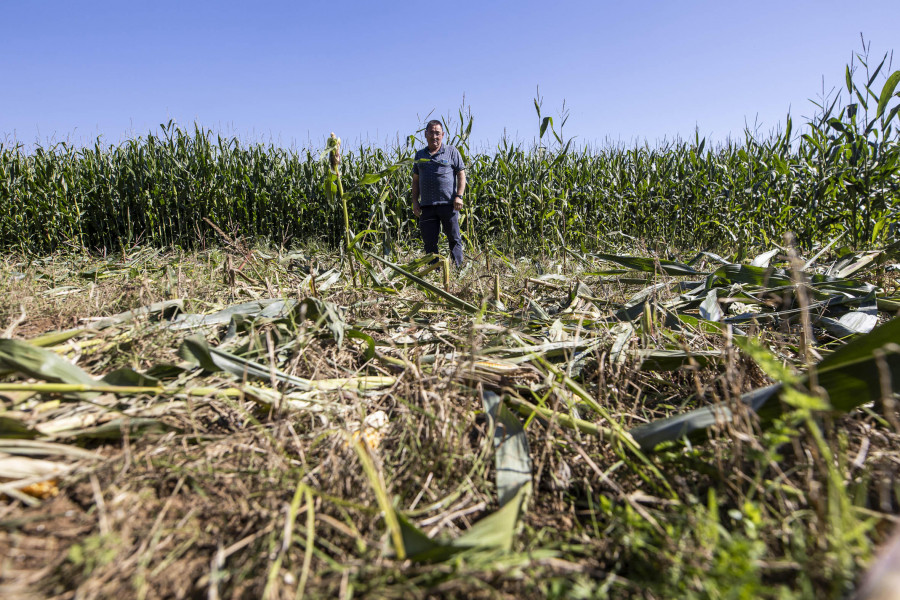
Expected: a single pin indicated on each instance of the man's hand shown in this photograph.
(417, 210)
(460, 190)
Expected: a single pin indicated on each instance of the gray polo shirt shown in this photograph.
(437, 174)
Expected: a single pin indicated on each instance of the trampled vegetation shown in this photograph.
(298, 433)
(575, 413)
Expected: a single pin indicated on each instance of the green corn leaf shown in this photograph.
(562, 155)
(733, 273)
(648, 265)
(875, 73)
(493, 532)
(887, 91)
(369, 352)
(457, 302)
(851, 376)
(370, 178)
(14, 429)
(129, 378)
(854, 374)
(837, 125)
(21, 357)
(359, 236)
(694, 424)
(56, 337)
(547, 121)
(497, 530)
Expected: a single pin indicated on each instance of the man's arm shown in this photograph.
(417, 210)
(460, 188)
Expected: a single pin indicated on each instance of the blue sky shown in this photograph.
(289, 73)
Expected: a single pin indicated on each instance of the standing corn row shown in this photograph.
(841, 176)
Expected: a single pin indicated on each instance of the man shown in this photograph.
(439, 180)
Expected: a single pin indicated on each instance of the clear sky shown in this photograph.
(291, 72)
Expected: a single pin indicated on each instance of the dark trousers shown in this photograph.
(430, 223)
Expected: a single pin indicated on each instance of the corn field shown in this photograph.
(840, 175)
(200, 414)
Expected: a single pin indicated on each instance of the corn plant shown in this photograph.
(839, 174)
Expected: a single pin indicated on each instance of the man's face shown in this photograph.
(434, 135)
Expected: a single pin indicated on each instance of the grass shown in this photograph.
(219, 486)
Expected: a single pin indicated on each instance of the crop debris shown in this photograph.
(734, 419)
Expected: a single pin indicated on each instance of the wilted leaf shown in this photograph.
(196, 350)
(22, 467)
(165, 310)
(763, 259)
(129, 377)
(669, 360)
(852, 323)
(648, 265)
(710, 309)
(254, 307)
(39, 363)
(852, 263)
(327, 313)
(115, 429)
(453, 300)
(510, 448)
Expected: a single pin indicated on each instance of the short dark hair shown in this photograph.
(434, 122)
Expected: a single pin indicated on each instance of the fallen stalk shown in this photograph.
(527, 409)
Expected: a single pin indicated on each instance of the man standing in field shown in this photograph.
(439, 180)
